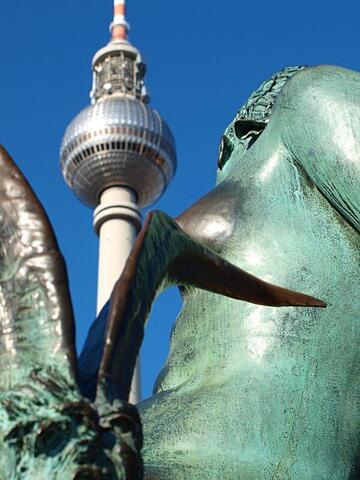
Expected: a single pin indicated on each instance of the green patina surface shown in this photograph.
(248, 392)
(48, 429)
(251, 392)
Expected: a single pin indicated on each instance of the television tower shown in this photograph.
(117, 155)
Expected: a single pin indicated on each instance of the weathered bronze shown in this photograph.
(249, 391)
(163, 255)
(48, 430)
(257, 393)
(49, 426)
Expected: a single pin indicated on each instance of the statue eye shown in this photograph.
(225, 149)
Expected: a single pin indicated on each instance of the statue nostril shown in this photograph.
(243, 127)
(248, 131)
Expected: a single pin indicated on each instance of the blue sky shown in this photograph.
(204, 58)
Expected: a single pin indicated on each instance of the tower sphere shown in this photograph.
(118, 141)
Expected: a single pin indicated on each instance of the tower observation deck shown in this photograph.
(118, 139)
(118, 154)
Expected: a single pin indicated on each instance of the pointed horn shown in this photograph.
(208, 271)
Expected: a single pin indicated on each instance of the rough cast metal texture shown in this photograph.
(64, 420)
(48, 426)
(257, 393)
(58, 419)
(118, 141)
(163, 255)
(48, 429)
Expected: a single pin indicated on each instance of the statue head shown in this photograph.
(212, 219)
(253, 116)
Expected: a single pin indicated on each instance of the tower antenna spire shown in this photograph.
(119, 27)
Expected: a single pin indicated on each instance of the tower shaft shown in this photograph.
(117, 221)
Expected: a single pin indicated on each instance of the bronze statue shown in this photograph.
(61, 418)
(249, 391)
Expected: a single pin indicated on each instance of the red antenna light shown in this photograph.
(119, 27)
